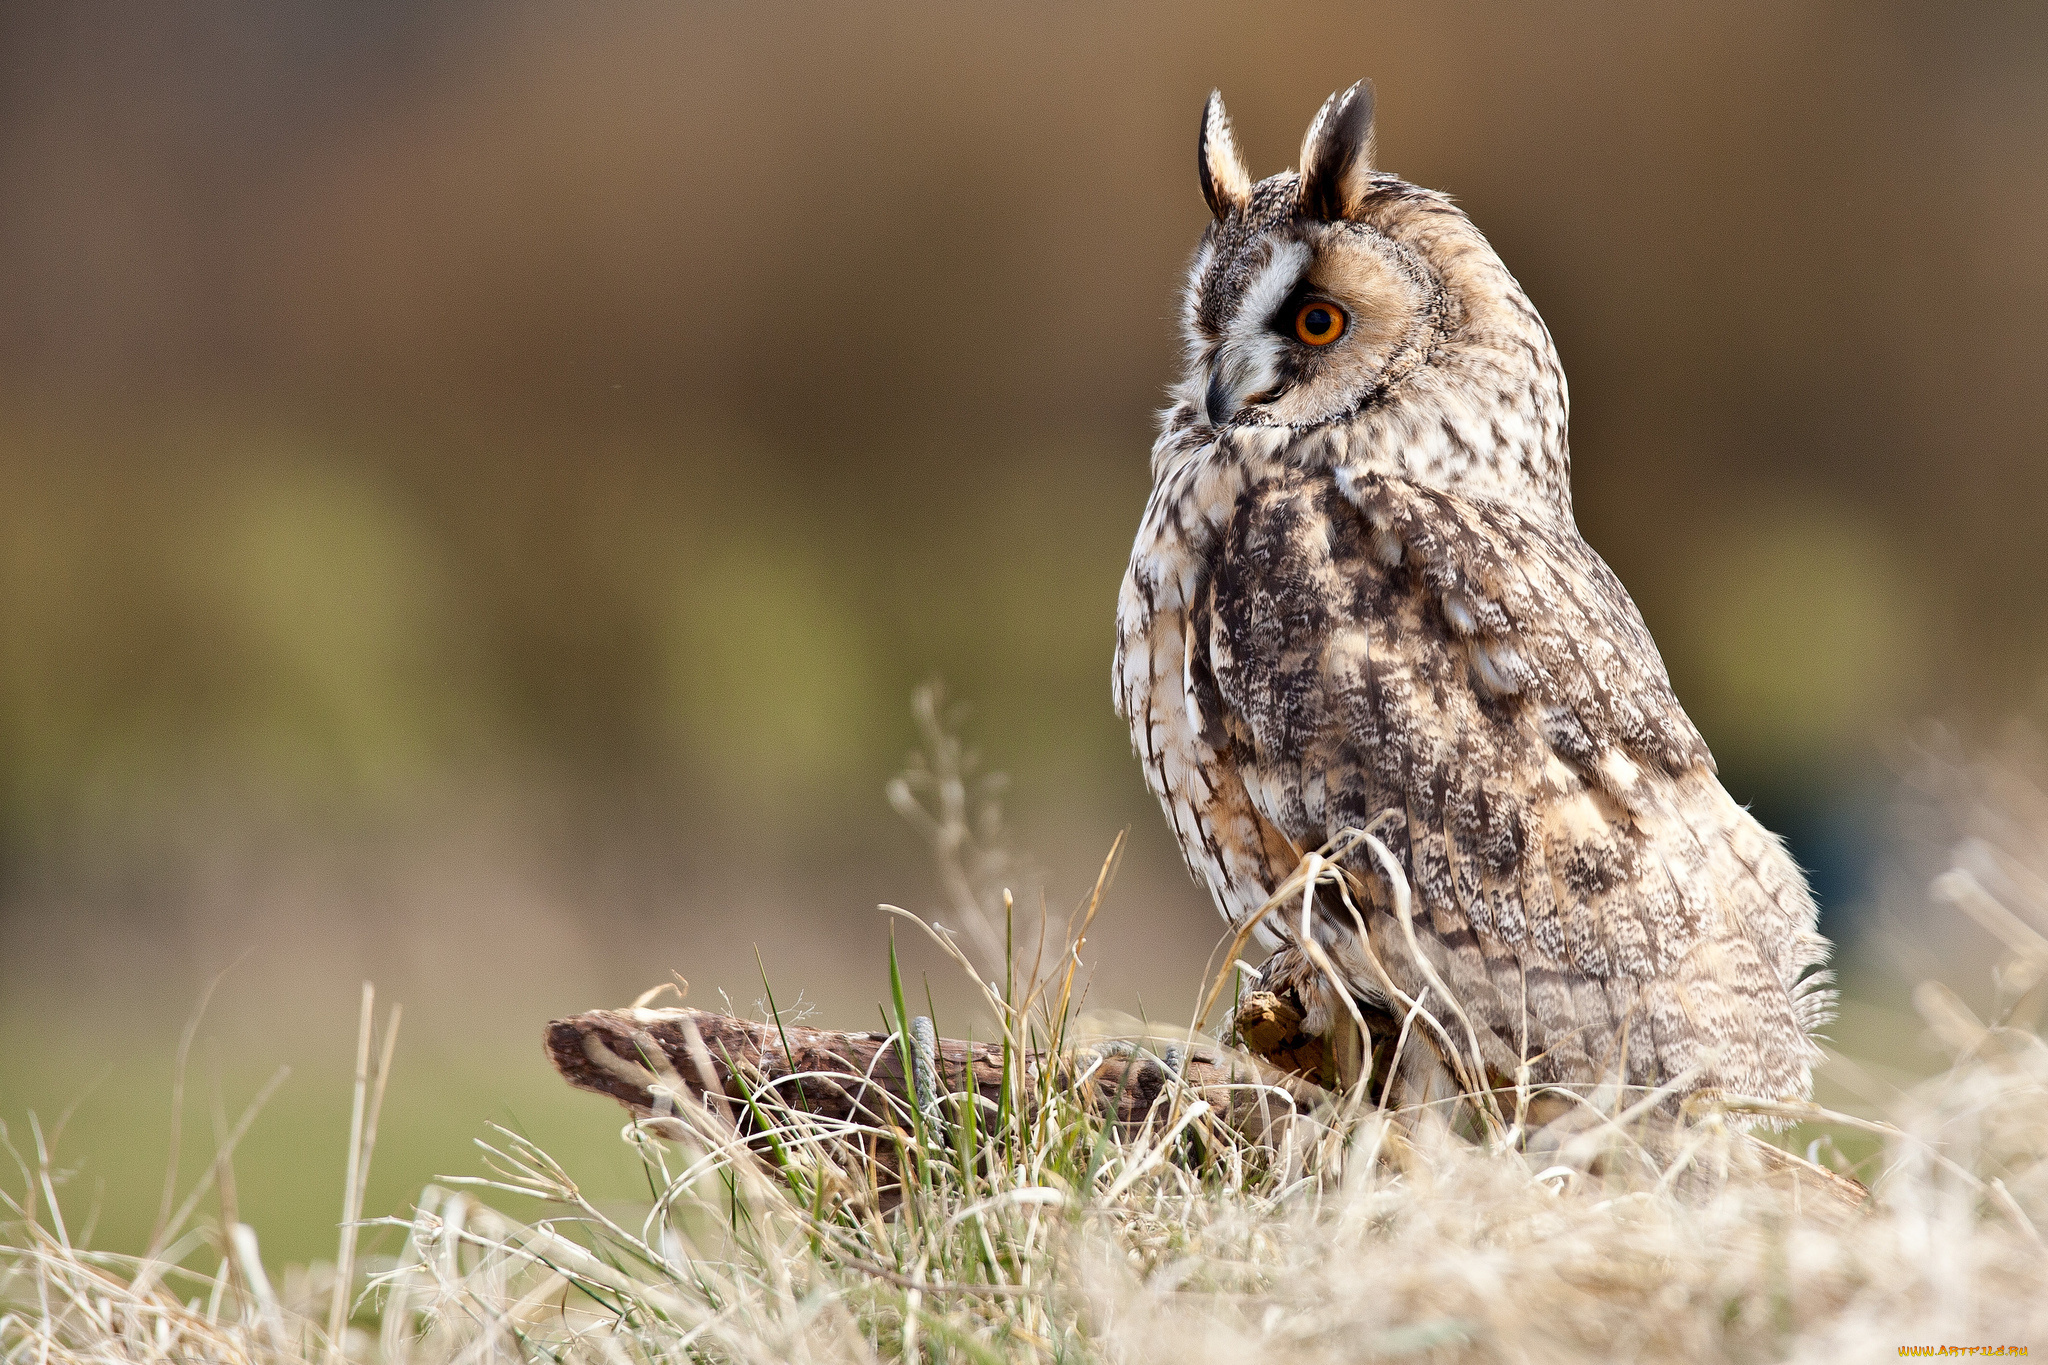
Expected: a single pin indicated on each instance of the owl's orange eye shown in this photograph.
(1319, 324)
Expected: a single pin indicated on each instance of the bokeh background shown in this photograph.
(480, 482)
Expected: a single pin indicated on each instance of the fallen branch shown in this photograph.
(641, 1057)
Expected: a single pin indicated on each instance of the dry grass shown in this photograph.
(1026, 1230)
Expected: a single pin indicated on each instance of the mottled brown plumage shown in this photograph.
(1358, 599)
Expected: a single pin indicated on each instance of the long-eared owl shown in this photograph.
(1358, 599)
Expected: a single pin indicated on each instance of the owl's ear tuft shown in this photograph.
(1336, 155)
(1225, 183)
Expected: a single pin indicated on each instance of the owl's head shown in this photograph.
(1346, 314)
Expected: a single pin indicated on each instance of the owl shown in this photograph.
(1358, 601)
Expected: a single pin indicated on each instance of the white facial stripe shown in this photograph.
(1269, 289)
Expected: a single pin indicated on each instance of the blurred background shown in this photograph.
(480, 482)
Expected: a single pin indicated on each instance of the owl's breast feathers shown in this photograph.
(1305, 651)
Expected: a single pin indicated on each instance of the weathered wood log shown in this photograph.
(639, 1057)
(647, 1059)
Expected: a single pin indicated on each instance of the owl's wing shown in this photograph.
(1589, 889)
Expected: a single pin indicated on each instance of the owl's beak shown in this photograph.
(1239, 374)
(1218, 400)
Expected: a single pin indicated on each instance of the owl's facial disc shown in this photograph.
(1315, 326)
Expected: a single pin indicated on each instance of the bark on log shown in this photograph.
(629, 1054)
